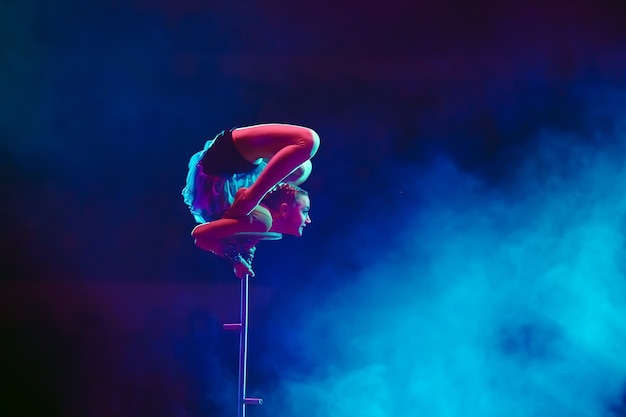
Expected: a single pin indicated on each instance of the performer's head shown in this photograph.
(289, 206)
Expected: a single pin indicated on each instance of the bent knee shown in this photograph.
(311, 141)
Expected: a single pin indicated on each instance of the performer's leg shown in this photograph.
(286, 146)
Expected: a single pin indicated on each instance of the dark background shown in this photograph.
(447, 129)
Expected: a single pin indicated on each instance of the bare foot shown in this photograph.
(242, 206)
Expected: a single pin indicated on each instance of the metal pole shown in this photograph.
(242, 327)
(243, 346)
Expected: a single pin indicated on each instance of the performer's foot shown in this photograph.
(242, 206)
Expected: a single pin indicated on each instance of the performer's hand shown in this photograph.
(248, 254)
(242, 268)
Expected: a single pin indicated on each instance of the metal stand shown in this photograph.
(242, 326)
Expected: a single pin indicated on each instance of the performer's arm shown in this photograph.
(213, 236)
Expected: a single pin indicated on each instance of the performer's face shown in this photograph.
(298, 216)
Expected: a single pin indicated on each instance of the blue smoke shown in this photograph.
(480, 300)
